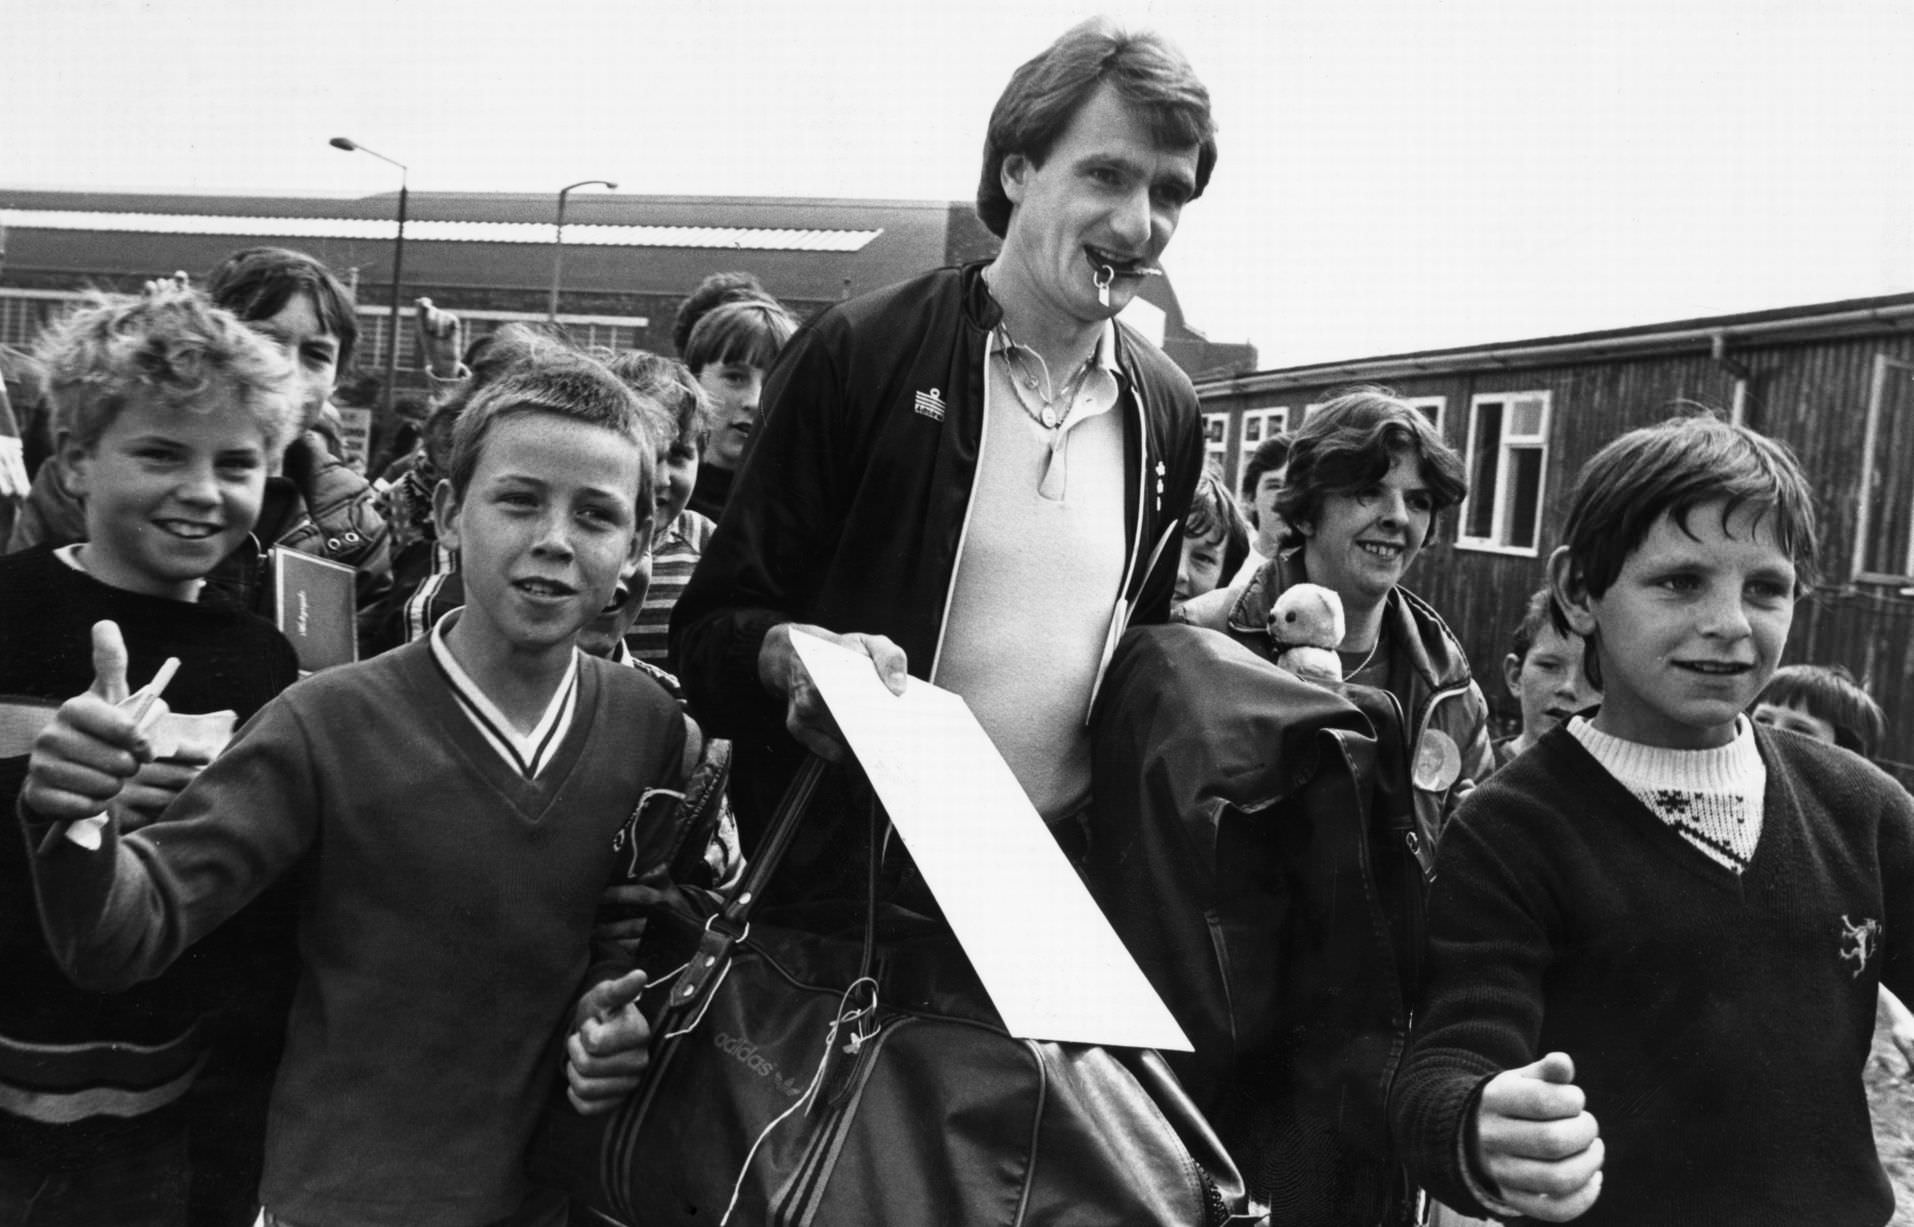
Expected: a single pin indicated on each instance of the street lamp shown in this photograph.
(398, 273)
(558, 242)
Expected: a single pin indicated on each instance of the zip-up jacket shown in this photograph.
(850, 508)
(1258, 818)
(1445, 716)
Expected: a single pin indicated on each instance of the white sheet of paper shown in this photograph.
(1052, 964)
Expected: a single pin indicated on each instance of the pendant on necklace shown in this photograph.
(1049, 417)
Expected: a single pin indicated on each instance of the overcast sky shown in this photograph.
(1393, 175)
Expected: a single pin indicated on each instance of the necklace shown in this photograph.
(1051, 411)
(1349, 673)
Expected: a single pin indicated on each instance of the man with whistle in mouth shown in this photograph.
(976, 476)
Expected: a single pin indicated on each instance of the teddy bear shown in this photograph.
(1305, 625)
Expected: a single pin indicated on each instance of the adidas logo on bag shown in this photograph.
(746, 1054)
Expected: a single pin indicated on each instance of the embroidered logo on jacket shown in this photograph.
(1859, 942)
(930, 404)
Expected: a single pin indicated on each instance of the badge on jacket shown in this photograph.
(1438, 761)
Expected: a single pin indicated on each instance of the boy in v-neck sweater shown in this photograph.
(1656, 937)
(455, 802)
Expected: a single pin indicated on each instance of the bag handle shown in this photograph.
(729, 926)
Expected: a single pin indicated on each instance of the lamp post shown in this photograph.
(398, 274)
(558, 242)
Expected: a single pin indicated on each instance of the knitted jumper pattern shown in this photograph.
(1711, 797)
(1719, 1021)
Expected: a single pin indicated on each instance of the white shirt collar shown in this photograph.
(527, 753)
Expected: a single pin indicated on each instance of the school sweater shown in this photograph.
(444, 932)
(78, 1069)
(1718, 1023)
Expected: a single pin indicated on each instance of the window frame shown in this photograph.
(1501, 507)
(1264, 414)
(1867, 522)
(1217, 450)
(1438, 419)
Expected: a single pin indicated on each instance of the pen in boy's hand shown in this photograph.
(140, 702)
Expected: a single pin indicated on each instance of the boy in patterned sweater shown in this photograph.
(1656, 937)
(454, 804)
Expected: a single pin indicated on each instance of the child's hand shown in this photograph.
(151, 790)
(441, 337)
(81, 761)
(1537, 1143)
(609, 1047)
(178, 281)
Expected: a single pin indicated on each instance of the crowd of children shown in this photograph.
(1657, 933)
(312, 881)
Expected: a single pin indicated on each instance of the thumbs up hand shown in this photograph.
(1536, 1141)
(608, 1050)
(93, 745)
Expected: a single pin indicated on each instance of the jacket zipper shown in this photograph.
(1412, 842)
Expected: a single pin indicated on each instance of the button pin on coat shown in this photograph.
(1438, 761)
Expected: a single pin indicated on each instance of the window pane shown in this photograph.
(1484, 466)
(1525, 487)
(1252, 431)
(1525, 419)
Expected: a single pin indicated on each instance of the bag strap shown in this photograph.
(777, 840)
(730, 925)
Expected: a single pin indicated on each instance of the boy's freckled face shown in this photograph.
(313, 350)
(735, 389)
(1202, 567)
(545, 526)
(168, 492)
(1795, 719)
(1692, 628)
(1549, 682)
